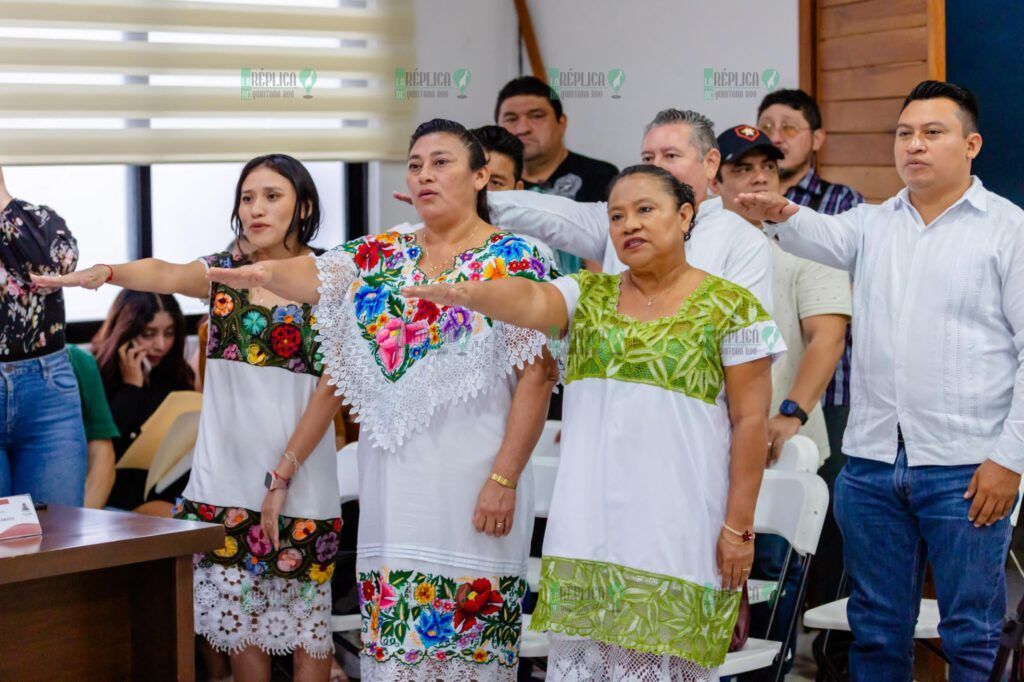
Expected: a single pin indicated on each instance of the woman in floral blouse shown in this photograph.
(451, 404)
(668, 381)
(42, 440)
(266, 421)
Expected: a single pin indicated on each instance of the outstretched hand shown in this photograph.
(245, 277)
(761, 206)
(443, 294)
(90, 278)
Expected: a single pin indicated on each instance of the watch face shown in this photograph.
(268, 481)
(788, 407)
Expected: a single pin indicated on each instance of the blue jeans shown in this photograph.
(895, 519)
(42, 438)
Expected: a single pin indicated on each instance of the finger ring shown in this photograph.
(744, 570)
(499, 524)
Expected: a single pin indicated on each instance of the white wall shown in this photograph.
(479, 35)
(662, 45)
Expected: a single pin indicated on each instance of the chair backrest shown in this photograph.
(547, 446)
(183, 466)
(544, 471)
(178, 442)
(793, 505)
(1015, 514)
(348, 473)
(800, 453)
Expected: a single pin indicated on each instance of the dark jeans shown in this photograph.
(895, 519)
(42, 438)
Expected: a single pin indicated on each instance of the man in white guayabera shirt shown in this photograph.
(936, 432)
(684, 144)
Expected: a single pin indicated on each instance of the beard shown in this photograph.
(797, 167)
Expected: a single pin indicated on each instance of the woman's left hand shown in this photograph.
(495, 508)
(270, 513)
(735, 559)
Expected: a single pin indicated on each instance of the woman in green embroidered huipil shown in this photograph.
(668, 382)
(265, 465)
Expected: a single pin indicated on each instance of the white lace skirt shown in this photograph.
(235, 610)
(579, 659)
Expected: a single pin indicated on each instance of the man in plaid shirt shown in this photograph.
(792, 120)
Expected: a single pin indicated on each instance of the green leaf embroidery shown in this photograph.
(679, 353)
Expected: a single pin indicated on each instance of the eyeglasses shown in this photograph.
(788, 130)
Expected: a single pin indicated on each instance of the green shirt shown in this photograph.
(99, 423)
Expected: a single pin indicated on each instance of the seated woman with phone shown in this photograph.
(140, 350)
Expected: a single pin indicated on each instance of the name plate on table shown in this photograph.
(18, 518)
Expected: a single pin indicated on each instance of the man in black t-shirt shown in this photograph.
(532, 111)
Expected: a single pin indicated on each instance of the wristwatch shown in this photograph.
(275, 481)
(789, 408)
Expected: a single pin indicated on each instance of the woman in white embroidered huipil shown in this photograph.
(668, 382)
(450, 405)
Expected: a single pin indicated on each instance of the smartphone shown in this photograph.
(147, 367)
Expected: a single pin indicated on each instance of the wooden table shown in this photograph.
(102, 595)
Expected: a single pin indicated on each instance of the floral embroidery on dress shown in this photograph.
(403, 331)
(414, 617)
(307, 546)
(681, 352)
(278, 336)
(398, 360)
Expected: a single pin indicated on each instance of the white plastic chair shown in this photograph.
(547, 446)
(545, 469)
(793, 505)
(348, 485)
(800, 453)
(348, 473)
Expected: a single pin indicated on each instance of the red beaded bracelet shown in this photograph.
(110, 276)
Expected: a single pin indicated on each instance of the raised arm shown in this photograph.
(577, 228)
(148, 274)
(515, 300)
(832, 240)
(294, 279)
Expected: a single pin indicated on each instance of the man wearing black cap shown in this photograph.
(811, 305)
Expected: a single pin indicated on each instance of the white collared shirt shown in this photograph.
(938, 322)
(722, 244)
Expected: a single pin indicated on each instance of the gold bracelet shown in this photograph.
(503, 482)
(746, 535)
(290, 457)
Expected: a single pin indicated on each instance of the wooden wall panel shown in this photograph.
(882, 47)
(849, 149)
(871, 16)
(871, 82)
(866, 56)
(861, 116)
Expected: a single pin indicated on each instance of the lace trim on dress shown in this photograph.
(577, 660)
(235, 610)
(432, 670)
